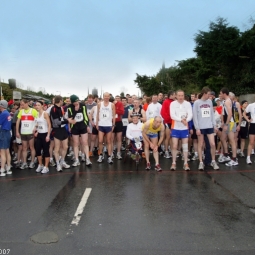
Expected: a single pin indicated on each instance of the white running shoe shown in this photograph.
(39, 168)
(232, 163)
(119, 155)
(88, 162)
(59, 168)
(201, 166)
(76, 163)
(23, 166)
(110, 160)
(32, 165)
(248, 161)
(63, 164)
(215, 165)
(100, 158)
(45, 170)
(167, 155)
(224, 159)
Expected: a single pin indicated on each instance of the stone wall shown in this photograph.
(249, 97)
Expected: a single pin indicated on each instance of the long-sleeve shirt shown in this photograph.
(134, 130)
(179, 111)
(119, 111)
(203, 114)
(153, 110)
(57, 117)
(165, 111)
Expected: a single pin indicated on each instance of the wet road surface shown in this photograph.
(129, 211)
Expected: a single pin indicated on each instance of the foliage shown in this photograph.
(225, 57)
(8, 92)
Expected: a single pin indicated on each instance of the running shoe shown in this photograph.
(59, 168)
(91, 154)
(23, 166)
(248, 161)
(173, 167)
(76, 163)
(186, 167)
(215, 165)
(241, 154)
(119, 155)
(39, 168)
(195, 157)
(167, 155)
(45, 170)
(109, 160)
(232, 163)
(70, 154)
(63, 164)
(83, 158)
(201, 166)
(88, 162)
(52, 162)
(2, 173)
(32, 165)
(100, 158)
(148, 167)
(158, 168)
(224, 159)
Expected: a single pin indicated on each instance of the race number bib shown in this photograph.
(105, 114)
(116, 115)
(26, 125)
(138, 145)
(79, 117)
(125, 122)
(183, 115)
(150, 114)
(243, 123)
(206, 113)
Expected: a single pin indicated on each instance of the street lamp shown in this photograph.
(58, 93)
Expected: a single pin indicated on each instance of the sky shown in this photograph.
(69, 47)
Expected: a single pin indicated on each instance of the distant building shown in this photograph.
(94, 91)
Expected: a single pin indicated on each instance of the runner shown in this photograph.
(5, 139)
(26, 117)
(117, 131)
(59, 133)
(244, 127)
(150, 137)
(154, 108)
(138, 111)
(205, 125)
(105, 125)
(165, 113)
(250, 109)
(43, 126)
(228, 129)
(78, 118)
(181, 114)
(90, 104)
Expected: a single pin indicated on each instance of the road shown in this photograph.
(124, 211)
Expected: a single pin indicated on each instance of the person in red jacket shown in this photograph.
(165, 113)
(117, 131)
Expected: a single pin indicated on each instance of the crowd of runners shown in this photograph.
(66, 132)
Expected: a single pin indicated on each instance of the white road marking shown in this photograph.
(81, 206)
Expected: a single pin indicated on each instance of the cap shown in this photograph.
(213, 93)
(4, 104)
(243, 102)
(216, 99)
(134, 114)
(74, 98)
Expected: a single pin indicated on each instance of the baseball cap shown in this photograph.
(4, 104)
(216, 99)
(74, 98)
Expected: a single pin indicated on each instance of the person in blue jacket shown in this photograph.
(5, 138)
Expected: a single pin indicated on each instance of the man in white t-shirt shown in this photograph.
(250, 109)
